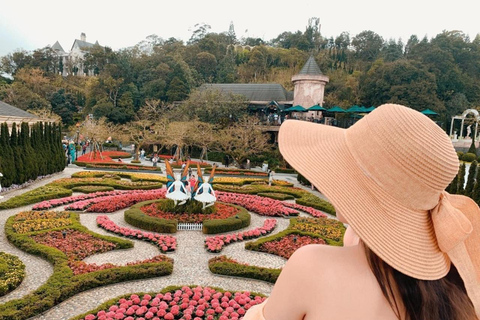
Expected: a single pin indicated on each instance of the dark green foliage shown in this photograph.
(461, 179)
(230, 268)
(29, 152)
(472, 172)
(476, 192)
(303, 180)
(452, 188)
(239, 221)
(472, 148)
(469, 157)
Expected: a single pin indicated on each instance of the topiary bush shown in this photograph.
(239, 221)
(469, 157)
(136, 217)
(460, 155)
(92, 189)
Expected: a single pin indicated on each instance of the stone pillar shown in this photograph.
(461, 129)
(451, 127)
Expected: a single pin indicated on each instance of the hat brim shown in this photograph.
(402, 237)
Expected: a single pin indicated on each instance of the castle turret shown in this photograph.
(309, 85)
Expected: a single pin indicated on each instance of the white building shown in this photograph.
(73, 62)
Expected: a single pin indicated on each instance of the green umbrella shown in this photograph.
(336, 109)
(316, 108)
(353, 109)
(297, 108)
(429, 112)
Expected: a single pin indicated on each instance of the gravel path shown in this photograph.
(190, 262)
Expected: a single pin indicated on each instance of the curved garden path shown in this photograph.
(190, 262)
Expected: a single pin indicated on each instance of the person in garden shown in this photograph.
(411, 250)
(270, 177)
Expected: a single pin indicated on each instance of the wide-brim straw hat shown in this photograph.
(386, 174)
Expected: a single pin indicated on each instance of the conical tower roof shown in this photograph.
(57, 47)
(311, 67)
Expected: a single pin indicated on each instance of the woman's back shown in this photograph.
(330, 283)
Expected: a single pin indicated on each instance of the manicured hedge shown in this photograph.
(63, 284)
(12, 272)
(284, 170)
(239, 221)
(469, 157)
(137, 218)
(92, 189)
(277, 196)
(46, 192)
(228, 267)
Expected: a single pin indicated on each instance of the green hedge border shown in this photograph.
(277, 196)
(136, 217)
(93, 189)
(62, 284)
(43, 193)
(235, 269)
(14, 265)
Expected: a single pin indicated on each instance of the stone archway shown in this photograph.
(464, 115)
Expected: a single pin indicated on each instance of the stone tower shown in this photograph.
(309, 85)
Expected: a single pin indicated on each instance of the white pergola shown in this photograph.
(462, 118)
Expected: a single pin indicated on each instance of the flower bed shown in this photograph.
(184, 303)
(121, 166)
(311, 211)
(64, 201)
(92, 189)
(80, 267)
(237, 181)
(63, 284)
(94, 158)
(134, 176)
(302, 197)
(260, 205)
(237, 172)
(220, 211)
(34, 215)
(76, 245)
(326, 228)
(40, 224)
(163, 242)
(70, 183)
(116, 202)
(216, 243)
(12, 272)
(229, 267)
(286, 246)
(277, 196)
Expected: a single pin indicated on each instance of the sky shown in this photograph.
(30, 25)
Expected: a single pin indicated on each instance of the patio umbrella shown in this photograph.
(353, 109)
(297, 108)
(316, 108)
(336, 109)
(429, 112)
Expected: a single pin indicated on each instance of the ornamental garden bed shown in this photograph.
(12, 272)
(237, 172)
(177, 302)
(301, 231)
(163, 217)
(64, 253)
(115, 166)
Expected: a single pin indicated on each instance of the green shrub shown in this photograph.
(228, 267)
(460, 155)
(284, 170)
(46, 192)
(92, 189)
(302, 180)
(469, 157)
(190, 207)
(135, 161)
(277, 196)
(239, 221)
(136, 217)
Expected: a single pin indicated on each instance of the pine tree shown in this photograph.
(453, 186)
(461, 179)
(476, 192)
(472, 148)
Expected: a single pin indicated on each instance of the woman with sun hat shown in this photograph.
(412, 251)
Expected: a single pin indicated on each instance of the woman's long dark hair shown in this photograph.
(443, 299)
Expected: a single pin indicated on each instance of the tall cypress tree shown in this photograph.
(461, 179)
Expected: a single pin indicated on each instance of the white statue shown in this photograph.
(469, 131)
(203, 191)
(1, 175)
(177, 188)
